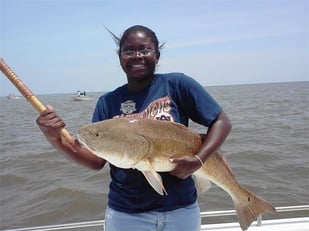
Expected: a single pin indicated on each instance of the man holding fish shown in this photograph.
(134, 201)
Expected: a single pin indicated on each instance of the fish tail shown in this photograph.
(250, 208)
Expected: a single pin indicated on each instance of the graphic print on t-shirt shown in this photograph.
(128, 107)
(159, 109)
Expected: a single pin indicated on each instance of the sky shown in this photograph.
(61, 46)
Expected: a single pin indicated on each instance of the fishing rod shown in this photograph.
(26, 92)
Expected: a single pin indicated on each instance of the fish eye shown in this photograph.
(97, 135)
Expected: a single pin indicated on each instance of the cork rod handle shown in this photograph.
(26, 92)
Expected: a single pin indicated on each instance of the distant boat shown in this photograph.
(12, 96)
(81, 96)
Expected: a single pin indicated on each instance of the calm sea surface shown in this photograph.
(267, 150)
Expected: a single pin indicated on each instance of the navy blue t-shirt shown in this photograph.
(174, 97)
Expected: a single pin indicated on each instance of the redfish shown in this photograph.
(147, 145)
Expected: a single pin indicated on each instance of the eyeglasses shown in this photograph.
(141, 53)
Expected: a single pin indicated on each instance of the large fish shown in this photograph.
(147, 145)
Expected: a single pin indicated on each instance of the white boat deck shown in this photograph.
(282, 224)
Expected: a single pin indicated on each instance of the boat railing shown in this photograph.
(100, 223)
(259, 218)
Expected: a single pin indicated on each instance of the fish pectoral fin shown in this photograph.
(155, 180)
(202, 184)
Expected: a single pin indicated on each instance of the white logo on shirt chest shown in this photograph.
(128, 107)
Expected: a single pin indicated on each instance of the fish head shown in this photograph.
(113, 141)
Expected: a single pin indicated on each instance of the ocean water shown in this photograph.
(267, 150)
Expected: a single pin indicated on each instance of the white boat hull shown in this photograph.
(82, 98)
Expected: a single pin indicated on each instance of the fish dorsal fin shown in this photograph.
(154, 179)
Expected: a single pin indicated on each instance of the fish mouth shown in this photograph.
(81, 141)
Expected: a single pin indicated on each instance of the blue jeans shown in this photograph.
(183, 219)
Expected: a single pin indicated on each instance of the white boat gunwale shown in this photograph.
(282, 224)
